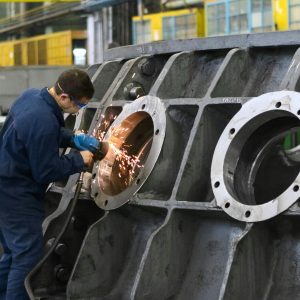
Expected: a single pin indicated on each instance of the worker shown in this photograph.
(29, 160)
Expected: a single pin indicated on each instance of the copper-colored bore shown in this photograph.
(130, 143)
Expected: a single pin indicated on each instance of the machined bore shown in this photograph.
(130, 143)
(250, 177)
(135, 140)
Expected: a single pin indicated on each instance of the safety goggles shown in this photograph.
(79, 104)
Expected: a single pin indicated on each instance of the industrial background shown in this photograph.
(199, 198)
(77, 33)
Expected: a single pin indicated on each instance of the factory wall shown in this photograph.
(14, 80)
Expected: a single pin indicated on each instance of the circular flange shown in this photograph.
(261, 121)
(139, 130)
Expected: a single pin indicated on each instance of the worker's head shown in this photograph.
(73, 90)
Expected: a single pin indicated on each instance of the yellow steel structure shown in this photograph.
(281, 14)
(156, 23)
(7, 54)
(48, 49)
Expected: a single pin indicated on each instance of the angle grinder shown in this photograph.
(101, 151)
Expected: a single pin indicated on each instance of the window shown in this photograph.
(180, 27)
(262, 18)
(216, 19)
(142, 32)
(294, 14)
(238, 16)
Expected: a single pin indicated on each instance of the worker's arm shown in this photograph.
(41, 139)
(66, 137)
(46, 164)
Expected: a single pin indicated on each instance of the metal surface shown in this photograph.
(140, 126)
(250, 184)
(171, 239)
(270, 39)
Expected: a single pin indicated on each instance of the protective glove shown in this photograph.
(85, 142)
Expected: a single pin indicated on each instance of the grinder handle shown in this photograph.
(101, 151)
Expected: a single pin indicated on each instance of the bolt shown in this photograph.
(136, 92)
(147, 66)
(133, 90)
(61, 249)
(62, 273)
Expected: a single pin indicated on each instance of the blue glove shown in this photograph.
(85, 142)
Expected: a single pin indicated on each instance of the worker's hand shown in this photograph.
(87, 158)
(85, 142)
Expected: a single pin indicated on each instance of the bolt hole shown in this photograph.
(143, 106)
(278, 104)
(138, 181)
(96, 195)
(232, 131)
(247, 214)
(298, 112)
(296, 188)
(157, 131)
(94, 176)
(227, 205)
(217, 184)
(105, 202)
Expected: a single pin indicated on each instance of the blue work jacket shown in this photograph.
(29, 152)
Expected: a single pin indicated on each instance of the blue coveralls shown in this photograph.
(29, 161)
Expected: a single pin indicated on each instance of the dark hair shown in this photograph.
(76, 83)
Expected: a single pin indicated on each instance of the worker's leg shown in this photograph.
(25, 241)
(5, 262)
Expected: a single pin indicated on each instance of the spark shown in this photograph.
(103, 126)
(126, 164)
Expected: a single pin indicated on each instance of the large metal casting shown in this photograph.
(202, 124)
